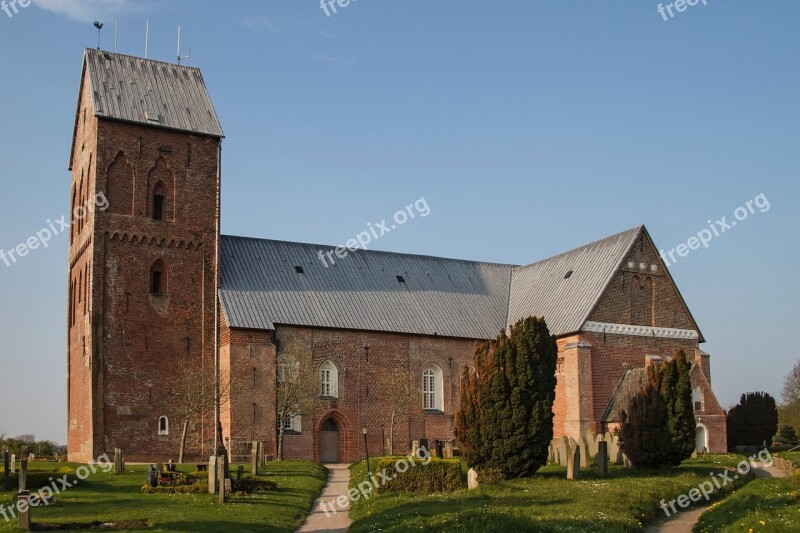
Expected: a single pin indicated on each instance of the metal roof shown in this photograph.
(150, 92)
(448, 297)
(544, 289)
(260, 288)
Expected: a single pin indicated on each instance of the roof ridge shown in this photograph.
(359, 250)
(101, 51)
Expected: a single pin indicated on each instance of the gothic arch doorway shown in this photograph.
(329, 441)
(701, 439)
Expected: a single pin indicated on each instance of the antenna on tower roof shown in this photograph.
(116, 34)
(188, 56)
(146, 37)
(99, 26)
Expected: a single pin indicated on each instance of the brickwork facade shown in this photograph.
(128, 340)
(142, 308)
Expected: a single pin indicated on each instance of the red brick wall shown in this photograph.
(361, 358)
(82, 372)
(141, 342)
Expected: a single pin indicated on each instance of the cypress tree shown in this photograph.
(658, 428)
(505, 417)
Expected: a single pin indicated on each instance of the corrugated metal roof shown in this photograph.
(150, 92)
(446, 297)
(543, 288)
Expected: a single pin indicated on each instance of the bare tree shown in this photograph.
(195, 394)
(791, 386)
(399, 394)
(789, 411)
(297, 389)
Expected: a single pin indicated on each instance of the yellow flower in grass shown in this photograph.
(762, 522)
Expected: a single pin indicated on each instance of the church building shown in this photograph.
(154, 288)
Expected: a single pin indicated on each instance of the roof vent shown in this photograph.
(299, 269)
(568, 274)
(401, 279)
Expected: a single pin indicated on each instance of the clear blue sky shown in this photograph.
(530, 127)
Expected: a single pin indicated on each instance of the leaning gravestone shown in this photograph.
(602, 459)
(574, 464)
(472, 479)
(254, 458)
(565, 449)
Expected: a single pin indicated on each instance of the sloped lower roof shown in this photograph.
(542, 289)
(260, 288)
(150, 92)
(632, 382)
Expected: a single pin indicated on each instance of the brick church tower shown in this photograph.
(143, 271)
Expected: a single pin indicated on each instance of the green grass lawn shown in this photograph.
(109, 498)
(763, 505)
(625, 501)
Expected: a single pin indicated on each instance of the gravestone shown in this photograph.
(262, 455)
(239, 473)
(13, 463)
(613, 448)
(585, 459)
(448, 450)
(23, 475)
(439, 449)
(594, 441)
(117, 461)
(602, 459)
(212, 475)
(626, 461)
(221, 478)
(563, 450)
(472, 479)
(415, 448)
(23, 506)
(152, 476)
(6, 472)
(254, 448)
(574, 464)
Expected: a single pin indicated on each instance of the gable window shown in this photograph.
(432, 389)
(697, 398)
(158, 279)
(163, 426)
(328, 380)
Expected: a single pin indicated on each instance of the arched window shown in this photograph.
(432, 389)
(163, 426)
(158, 279)
(158, 201)
(329, 380)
